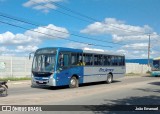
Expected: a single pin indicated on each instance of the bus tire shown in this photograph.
(32, 86)
(73, 82)
(109, 78)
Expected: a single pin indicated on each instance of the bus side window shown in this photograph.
(123, 61)
(116, 61)
(100, 60)
(106, 60)
(80, 59)
(64, 60)
(88, 59)
(74, 60)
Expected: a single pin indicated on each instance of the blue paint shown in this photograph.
(94, 74)
(63, 78)
(101, 74)
(63, 73)
(140, 61)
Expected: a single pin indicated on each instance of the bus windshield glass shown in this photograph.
(156, 65)
(44, 63)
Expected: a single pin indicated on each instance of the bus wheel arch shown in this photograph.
(74, 83)
(109, 78)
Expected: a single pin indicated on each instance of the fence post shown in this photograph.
(11, 66)
(25, 67)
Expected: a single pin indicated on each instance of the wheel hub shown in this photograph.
(73, 82)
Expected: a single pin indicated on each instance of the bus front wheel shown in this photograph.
(109, 78)
(73, 82)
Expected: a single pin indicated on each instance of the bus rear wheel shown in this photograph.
(73, 82)
(109, 78)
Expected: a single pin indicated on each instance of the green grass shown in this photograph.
(137, 74)
(132, 74)
(14, 79)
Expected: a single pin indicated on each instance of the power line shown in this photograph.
(62, 12)
(85, 16)
(75, 12)
(24, 21)
(52, 35)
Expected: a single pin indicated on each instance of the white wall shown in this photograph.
(15, 66)
(137, 68)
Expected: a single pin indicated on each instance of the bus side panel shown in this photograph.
(119, 72)
(63, 78)
(92, 74)
(95, 74)
(155, 73)
(77, 71)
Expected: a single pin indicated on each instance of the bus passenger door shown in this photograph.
(64, 65)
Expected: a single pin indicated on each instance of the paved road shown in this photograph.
(125, 91)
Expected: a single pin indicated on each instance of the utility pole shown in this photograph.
(149, 51)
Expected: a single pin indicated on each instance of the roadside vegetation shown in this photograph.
(137, 74)
(132, 74)
(14, 79)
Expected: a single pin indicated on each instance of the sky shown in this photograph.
(121, 26)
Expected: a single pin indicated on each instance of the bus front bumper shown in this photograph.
(45, 81)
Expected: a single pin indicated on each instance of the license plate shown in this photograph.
(40, 81)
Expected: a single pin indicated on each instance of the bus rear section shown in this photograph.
(155, 68)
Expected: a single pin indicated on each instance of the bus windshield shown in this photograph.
(44, 63)
(156, 65)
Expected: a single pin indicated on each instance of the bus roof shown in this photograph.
(81, 50)
(60, 49)
(103, 52)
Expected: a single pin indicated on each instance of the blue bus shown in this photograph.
(58, 66)
(156, 67)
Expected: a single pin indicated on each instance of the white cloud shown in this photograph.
(83, 46)
(52, 32)
(43, 5)
(31, 37)
(17, 51)
(9, 38)
(76, 45)
(29, 40)
(94, 49)
(3, 49)
(115, 27)
(28, 48)
(134, 38)
(137, 46)
(121, 51)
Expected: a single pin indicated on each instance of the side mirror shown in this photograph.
(30, 55)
